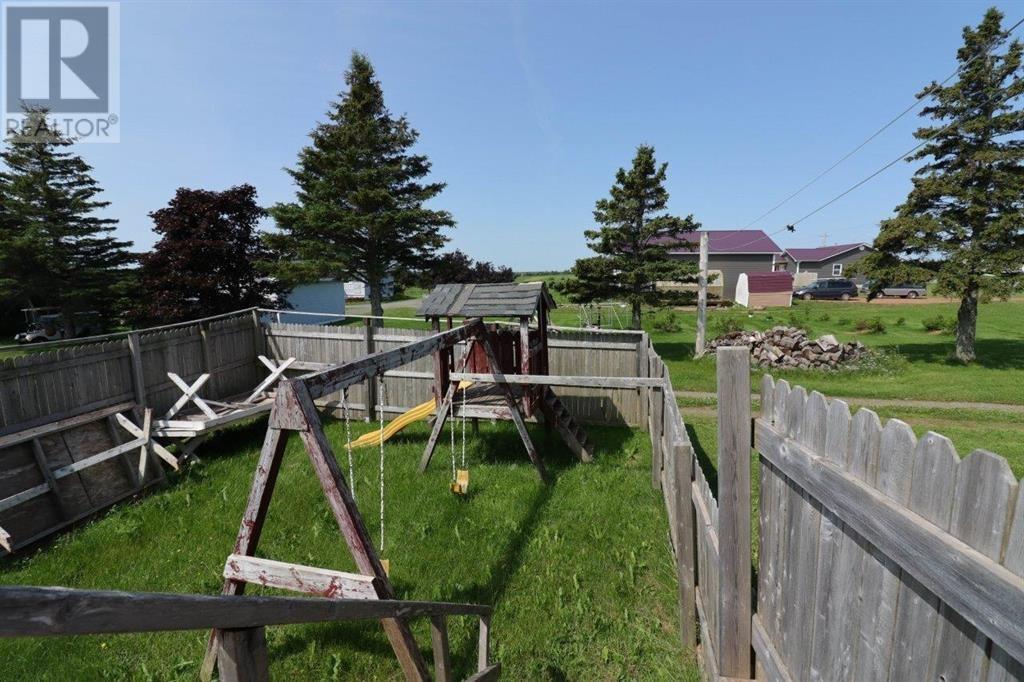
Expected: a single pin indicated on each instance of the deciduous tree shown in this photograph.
(457, 267)
(632, 242)
(963, 221)
(208, 258)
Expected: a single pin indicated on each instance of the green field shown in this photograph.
(927, 373)
(579, 572)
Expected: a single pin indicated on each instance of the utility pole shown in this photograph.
(702, 296)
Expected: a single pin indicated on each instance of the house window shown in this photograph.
(837, 269)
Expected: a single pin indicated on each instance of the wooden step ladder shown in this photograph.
(572, 433)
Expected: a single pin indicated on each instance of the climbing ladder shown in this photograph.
(572, 433)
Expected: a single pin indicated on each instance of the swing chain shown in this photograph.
(463, 429)
(380, 411)
(451, 415)
(348, 443)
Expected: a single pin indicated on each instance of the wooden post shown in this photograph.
(259, 339)
(251, 528)
(685, 545)
(439, 642)
(643, 369)
(657, 401)
(138, 378)
(441, 367)
(204, 341)
(702, 297)
(243, 655)
(484, 652)
(525, 366)
(735, 594)
(371, 382)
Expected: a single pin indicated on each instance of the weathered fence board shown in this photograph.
(883, 557)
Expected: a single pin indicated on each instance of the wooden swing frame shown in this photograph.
(294, 411)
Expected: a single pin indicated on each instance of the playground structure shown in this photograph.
(500, 352)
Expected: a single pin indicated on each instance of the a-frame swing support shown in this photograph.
(294, 410)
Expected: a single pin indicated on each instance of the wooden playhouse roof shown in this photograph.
(480, 300)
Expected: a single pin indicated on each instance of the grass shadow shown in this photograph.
(992, 353)
(707, 465)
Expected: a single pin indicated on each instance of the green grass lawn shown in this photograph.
(579, 572)
(927, 373)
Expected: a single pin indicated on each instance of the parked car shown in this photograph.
(904, 291)
(840, 289)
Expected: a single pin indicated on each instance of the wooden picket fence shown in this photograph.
(881, 556)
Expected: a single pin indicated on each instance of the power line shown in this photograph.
(913, 105)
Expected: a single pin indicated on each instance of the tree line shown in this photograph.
(359, 214)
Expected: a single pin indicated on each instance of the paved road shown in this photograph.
(886, 402)
(364, 308)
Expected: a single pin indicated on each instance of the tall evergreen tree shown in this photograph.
(359, 212)
(54, 248)
(632, 243)
(963, 221)
(208, 257)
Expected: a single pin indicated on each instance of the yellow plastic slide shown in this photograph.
(421, 411)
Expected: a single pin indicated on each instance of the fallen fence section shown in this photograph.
(74, 433)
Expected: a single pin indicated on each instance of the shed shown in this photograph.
(325, 296)
(764, 289)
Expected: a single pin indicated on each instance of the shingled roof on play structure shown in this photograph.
(484, 300)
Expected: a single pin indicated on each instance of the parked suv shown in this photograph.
(841, 289)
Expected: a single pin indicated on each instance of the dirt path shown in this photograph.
(893, 402)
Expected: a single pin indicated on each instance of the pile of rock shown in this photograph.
(789, 347)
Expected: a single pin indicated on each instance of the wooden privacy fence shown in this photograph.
(881, 556)
(571, 353)
(43, 387)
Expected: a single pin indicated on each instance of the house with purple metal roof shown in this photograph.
(731, 253)
(822, 262)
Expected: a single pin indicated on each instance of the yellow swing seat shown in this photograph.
(460, 486)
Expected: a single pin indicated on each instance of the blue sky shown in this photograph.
(527, 109)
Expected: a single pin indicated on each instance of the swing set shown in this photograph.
(507, 379)
(294, 411)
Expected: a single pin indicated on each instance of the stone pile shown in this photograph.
(790, 348)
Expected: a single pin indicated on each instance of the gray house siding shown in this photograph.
(732, 265)
(824, 268)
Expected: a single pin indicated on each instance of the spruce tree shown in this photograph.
(54, 248)
(208, 258)
(359, 211)
(963, 221)
(632, 243)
